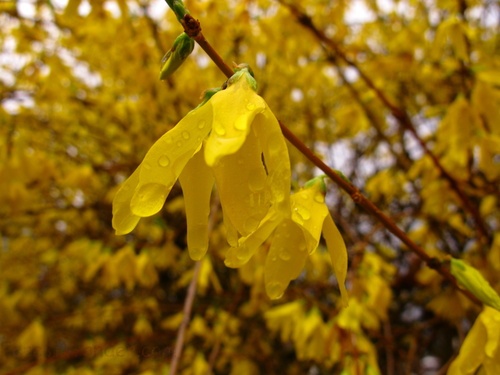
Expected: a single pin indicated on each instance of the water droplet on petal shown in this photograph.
(251, 224)
(151, 198)
(275, 289)
(219, 129)
(241, 123)
(164, 161)
(284, 255)
(319, 198)
(250, 106)
(196, 253)
(303, 212)
(242, 253)
(201, 124)
(185, 135)
(146, 166)
(257, 182)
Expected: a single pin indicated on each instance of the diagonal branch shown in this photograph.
(400, 115)
(192, 28)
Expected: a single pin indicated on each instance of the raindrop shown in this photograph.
(147, 166)
(219, 129)
(201, 124)
(284, 255)
(241, 123)
(185, 135)
(275, 289)
(242, 253)
(164, 161)
(319, 198)
(251, 224)
(250, 106)
(196, 253)
(303, 212)
(257, 182)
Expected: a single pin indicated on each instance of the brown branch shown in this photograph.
(188, 306)
(192, 28)
(401, 117)
(188, 303)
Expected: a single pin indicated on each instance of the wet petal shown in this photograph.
(286, 258)
(166, 159)
(234, 110)
(124, 221)
(197, 182)
(338, 254)
(275, 157)
(247, 246)
(241, 182)
(309, 211)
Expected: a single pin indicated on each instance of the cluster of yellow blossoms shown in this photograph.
(234, 141)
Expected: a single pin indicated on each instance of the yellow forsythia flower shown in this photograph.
(481, 347)
(232, 140)
(296, 233)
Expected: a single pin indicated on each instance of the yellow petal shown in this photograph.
(472, 352)
(309, 211)
(247, 246)
(241, 182)
(166, 159)
(286, 258)
(275, 158)
(234, 110)
(124, 221)
(197, 182)
(338, 254)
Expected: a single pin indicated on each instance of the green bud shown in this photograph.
(471, 279)
(178, 7)
(320, 181)
(207, 95)
(243, 70)
(173, 59)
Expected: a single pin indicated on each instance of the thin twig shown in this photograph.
(400, 115)
(188, 306)
(193, 29)
(188, 302)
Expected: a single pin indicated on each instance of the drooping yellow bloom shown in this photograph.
(233, 140)
(481, 348)
(296, 234)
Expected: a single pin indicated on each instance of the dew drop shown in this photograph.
(163, 161)
(179, 144)
(201, 124)
(147, 166)
(219, 129)
(257, 180)
(284, 255)
(196, 253)
(303, 212)
(185, 135)
(242, 253)
(151, 198)
(251, 224)
(250, 106)
(319, 198)
(275, 289)
(241, 123)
